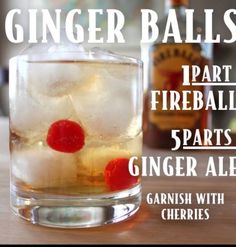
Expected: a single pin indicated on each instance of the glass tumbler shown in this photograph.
(75, 120)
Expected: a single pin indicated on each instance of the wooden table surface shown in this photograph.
(145, 227)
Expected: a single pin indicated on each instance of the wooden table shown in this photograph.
(145, 227)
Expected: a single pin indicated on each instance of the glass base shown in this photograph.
(76, 212)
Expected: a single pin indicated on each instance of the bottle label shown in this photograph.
(167, 74)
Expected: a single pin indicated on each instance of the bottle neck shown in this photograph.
(179, 6)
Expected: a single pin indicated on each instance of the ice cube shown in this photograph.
(134, 145)
(54, 78)
(107, 102)
(95, 159)
(33, 116)
(52, 69)
(41, 167)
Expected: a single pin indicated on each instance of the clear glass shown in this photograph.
(75, 120)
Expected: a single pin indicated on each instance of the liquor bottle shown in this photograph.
(163, 63)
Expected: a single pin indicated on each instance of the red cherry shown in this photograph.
(117, 176)
(65, 136)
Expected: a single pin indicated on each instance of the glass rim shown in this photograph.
(85, 56)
